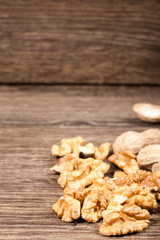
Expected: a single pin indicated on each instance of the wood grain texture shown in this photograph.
(80, 41)
(34, 118)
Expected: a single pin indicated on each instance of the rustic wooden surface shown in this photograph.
(31, 120)
(86, 41)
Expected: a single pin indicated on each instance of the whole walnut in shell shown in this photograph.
(133, 141)
(151, 136)
(149, 156)
(128, 141)
(156, 167)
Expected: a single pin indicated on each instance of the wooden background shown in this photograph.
(80, 41)
(34, 118)
(67, 43)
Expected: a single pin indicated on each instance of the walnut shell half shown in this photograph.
(147, 112)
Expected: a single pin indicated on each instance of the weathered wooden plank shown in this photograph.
(74, 105)
(34, 118)
(80, 41)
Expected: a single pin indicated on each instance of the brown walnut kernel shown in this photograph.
(68, 146)
(63, 163)
(93, 169)
(95, 199)
(63, 150)
(88, 149)
(93, 206)
(121, 178)
(129, 219)
(78, 169)
(126, 161)
(74, 145)
(133, 194)
(124, 214)
(147, 179)
(67, 208)
(122, 201)
(103, 151)
(143, 178)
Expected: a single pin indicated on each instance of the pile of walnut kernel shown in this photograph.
(123, 201)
